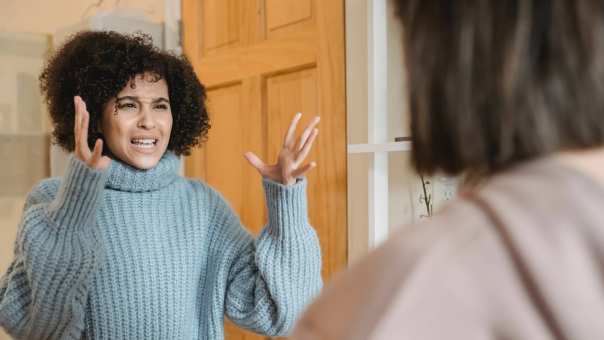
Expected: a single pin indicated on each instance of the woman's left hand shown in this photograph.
(291, 157)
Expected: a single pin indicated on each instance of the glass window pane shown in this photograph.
(413, 198)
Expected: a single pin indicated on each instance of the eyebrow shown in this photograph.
(134, 98)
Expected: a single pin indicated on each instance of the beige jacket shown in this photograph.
(523, 258)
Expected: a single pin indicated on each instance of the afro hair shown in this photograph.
(98, 65)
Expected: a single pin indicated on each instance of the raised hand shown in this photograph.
(94, 158)
(292, 155)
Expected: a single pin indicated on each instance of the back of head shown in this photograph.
(494, 83)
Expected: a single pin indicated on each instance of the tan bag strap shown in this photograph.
(528, 281)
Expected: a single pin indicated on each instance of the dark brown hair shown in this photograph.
(98, 65)
(494, 83)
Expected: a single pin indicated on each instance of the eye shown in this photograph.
(161, 107)
(126, 106)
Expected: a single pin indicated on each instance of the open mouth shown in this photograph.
(144, 143)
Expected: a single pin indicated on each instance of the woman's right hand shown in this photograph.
(94, 158)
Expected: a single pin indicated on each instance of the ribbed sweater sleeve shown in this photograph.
(43, 294)
(271, 279)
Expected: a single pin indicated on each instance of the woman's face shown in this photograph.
(137, 123)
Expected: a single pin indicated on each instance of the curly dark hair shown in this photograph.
(98, 65)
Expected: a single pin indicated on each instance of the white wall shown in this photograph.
(376, 113)
(384, 192)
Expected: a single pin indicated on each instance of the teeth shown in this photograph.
(144, 143)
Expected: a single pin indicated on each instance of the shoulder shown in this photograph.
(441, 242)
(540, 186)
(421, 266)
(43, 192)
(455, 266)
(541, 206)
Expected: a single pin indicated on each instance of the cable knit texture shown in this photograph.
(132, 254)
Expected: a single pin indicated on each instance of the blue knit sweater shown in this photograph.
(131, 254)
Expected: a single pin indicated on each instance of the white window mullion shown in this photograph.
(377, 120)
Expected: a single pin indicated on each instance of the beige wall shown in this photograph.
(23, 130)
(27, 29)
(47, 17)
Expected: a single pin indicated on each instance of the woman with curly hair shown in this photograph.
(122, 247)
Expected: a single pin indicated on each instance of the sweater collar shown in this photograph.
(124, 177)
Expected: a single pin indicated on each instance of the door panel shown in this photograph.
(234, 131)
(261, 62)
(283, 16)
(221, 20)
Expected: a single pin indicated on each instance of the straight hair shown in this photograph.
(496, 82)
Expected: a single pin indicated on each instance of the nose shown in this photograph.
(146, 119)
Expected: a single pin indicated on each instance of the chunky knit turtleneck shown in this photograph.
(127, 178)
(131, 254)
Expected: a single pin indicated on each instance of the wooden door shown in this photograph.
(261, 62)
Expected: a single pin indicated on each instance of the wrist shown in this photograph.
(287, 181)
